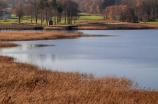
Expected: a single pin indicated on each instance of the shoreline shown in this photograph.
(92, 26)
(42, 35)
(37, 35)
(26, 83)
(128, 26)
(7, 36)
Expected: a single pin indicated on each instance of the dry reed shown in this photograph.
(21, 83)
(4, 44)
(127, 26)
(38, 35)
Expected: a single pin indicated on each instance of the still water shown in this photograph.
(130, 53)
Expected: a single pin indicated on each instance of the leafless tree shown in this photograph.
(19, 11)
(70, 10)
(1, 8)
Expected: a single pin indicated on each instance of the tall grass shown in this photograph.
(21, 83)
(39, 35)
(113, 26)
(4, 44)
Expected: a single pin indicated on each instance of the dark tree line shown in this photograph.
(44, 9)
(118, 10)
(1, 7)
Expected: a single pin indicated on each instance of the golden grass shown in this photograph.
(107, 26)
(21, 83)
(117, 26)
(38, 35)
(4, 44)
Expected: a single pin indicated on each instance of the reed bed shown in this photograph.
(22, 83)
(4, 45)
(116, 26)
(38, 35)
(107, 26)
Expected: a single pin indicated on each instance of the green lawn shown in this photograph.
(84, 14)
(66, 25)
(7, 21)
(90, 18)
(25, 19)
(85, 18)
(152, 21)
(117, 23)
(82, 17)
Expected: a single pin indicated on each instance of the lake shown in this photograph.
(130, 53)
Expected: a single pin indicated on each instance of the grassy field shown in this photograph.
(25, 19)
(61, 25)
(117, 23)
(155, 21)
(84, 14)
(94, 18)
(84, 18)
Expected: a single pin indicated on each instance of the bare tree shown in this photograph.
(59, 11)
(19, 11)
(40, 6)
(70, 10)
(31, 9)
(1, 8)
(36, 10)
(47, 10)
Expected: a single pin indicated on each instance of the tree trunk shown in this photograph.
(36, 18)
(65, 17)
(19, 19)
(55, 16)
(31, 17)
(41, 17)
(46, 17)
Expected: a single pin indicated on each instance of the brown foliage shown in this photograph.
(24, 83)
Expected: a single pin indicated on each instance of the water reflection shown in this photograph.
(24, 47)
